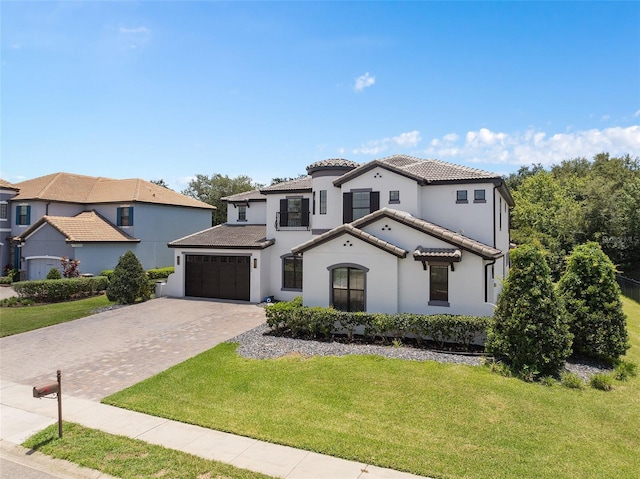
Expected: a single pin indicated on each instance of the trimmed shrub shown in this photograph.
(160, 273)
(54, 273)
(57, 290)
(530, 330)
(129, 281)
(592, 298)
(601, 381)
(107, 272)
(571, 380)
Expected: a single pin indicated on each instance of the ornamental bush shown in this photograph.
(54, 273)
(128, 282)
(530, 330)
(592, 299)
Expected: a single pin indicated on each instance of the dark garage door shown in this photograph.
(223, 277)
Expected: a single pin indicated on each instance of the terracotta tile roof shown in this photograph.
(332, 163)
(347, 228)
(449, 254)
(253, 195)
(227, 236)
(86, 227)
(444, 234)
(7, 186)
(428, 172)
(71, 188)
(297, 185)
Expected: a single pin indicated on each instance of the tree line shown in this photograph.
(578, 201)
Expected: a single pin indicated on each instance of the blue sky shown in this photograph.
(171, 89)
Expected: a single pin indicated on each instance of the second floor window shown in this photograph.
(394, 196)
(294, 212)
(242, 213)
(357, 204)
(4, 211)
(125, 216)
(323, 202)
(461, 196)
(479, 196)
(23, 215)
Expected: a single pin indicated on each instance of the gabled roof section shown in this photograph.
(85, 227)
(347, 228)
(299, 185)
(253, 195)
(71, 188)
(5, 185)
(428, 171)
(227, 236)
(439, 232)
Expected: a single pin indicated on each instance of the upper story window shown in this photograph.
(125, 216)
(394, 196)
(323, 202)
(357, 204)
(4, 211)
(294, 213)
(479, 196)
(23, 215)
(461, 196)
(242, 213)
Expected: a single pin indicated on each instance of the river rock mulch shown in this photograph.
(259, 343)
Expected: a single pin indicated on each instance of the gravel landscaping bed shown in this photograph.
(257, 344)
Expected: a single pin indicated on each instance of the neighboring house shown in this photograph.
(398, 234)
(96, 220)
(7, 191)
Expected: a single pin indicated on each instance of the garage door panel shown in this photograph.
(223, 277)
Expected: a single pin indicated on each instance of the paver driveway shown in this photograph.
(106, 352)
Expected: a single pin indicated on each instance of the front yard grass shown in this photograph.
(16, 320)
(445, 421)
(128, 458)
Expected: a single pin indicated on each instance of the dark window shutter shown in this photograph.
(119, 217)
(29, 214)
(347, 207)
(374, 201)
(18, 215)
(284, 212)
(305, 212)
(131, 216)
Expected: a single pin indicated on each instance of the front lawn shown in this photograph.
(423, 417)
(16, 320)
(129, 458)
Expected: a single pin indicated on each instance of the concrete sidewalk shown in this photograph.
(22, 415)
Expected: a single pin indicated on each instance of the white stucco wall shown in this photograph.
(256, 214)
(333, 217)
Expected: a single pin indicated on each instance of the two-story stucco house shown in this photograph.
(7, 191)
(398, 234)
(96, 220)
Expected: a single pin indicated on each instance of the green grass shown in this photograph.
(16, 320)
(423, 417)
(129, 458)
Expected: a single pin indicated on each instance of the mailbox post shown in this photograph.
(52, 388)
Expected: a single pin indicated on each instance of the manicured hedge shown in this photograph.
(56, 290)
(157, 273)
(321, 323)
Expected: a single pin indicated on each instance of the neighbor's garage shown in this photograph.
(221, 277)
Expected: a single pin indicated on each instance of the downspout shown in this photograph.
(486, 281)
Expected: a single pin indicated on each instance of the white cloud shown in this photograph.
(134, 37)
(637, 113)
(533, 146)
(364, 81)
(403, 140)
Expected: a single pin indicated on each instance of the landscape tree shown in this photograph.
(592, 299)
(530, 331)
(211, 190)
(129, 281)
(161, 182)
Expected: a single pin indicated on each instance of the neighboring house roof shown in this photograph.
(86, 227)
(347, 228)
(444, 234)
(72, 188)
(5, 185)
(253, 195)
(227, 236)
(299, 185)
(428, 172)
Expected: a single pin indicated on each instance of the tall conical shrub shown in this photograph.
(592, 299)
(530, 330)
(129, 281)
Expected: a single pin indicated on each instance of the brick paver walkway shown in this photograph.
(104, 353)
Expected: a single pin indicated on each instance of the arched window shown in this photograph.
(348, 287)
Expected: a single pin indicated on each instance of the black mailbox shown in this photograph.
(41, 391)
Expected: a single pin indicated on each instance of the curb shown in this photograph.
(41, 462)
